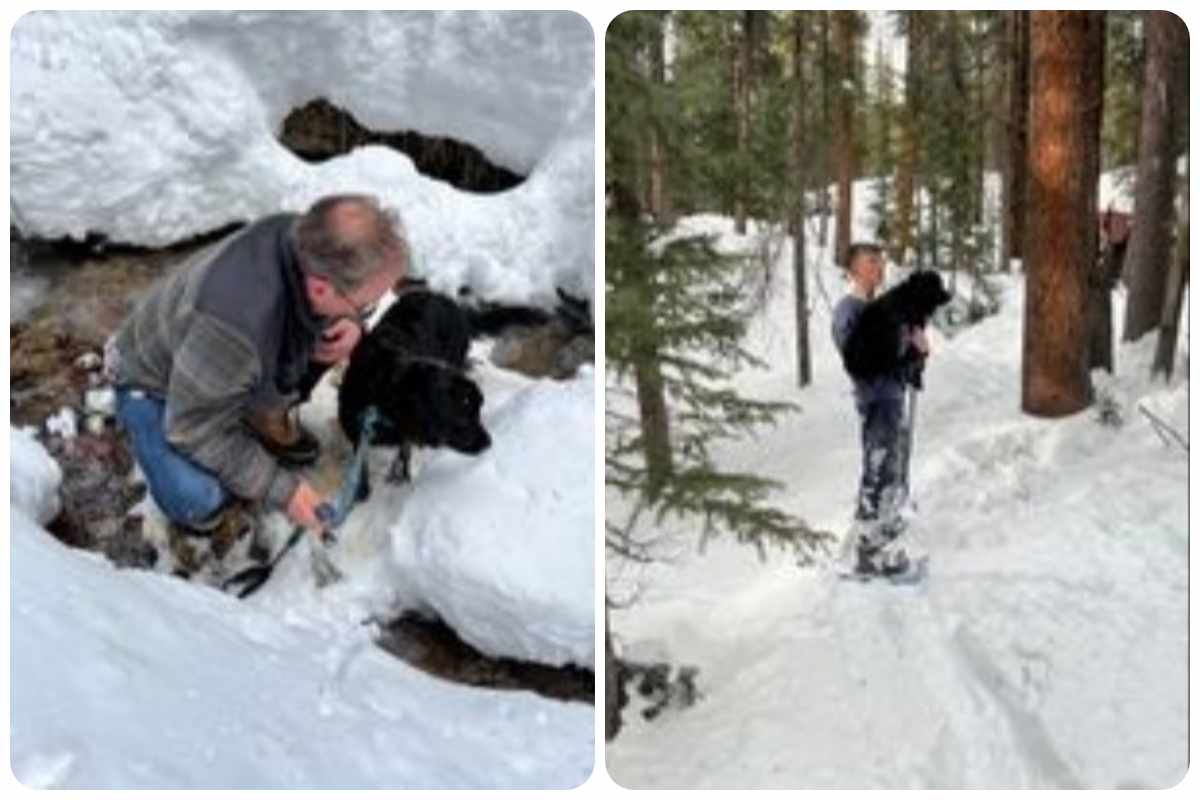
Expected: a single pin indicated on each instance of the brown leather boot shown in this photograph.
(197, 546)
(284, 438)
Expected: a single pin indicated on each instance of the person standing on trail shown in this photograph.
(880, 405)
(209, 365)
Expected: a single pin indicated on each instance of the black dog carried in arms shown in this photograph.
(876, 346)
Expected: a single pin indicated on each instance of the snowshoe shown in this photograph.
(893, 566)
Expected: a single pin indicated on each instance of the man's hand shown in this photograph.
(302, 508)
(337, 341)
(918, 341)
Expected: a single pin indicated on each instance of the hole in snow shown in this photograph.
(319, 130)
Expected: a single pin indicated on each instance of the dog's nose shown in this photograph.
(482, 442)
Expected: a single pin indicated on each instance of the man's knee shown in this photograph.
(188, 501)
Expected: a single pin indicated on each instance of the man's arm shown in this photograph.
(845, 315)
(214, 371)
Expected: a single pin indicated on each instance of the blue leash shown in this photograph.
(330, 515)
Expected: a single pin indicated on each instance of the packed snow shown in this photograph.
(124, 679)
(1047, 646)
(151, 127)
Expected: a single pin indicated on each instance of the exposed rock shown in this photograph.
(433, 647)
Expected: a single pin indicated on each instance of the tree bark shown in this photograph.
(1016, 166)
(658, 169)
(744, 80)
(800, 211)
(1066, 78)
(1168, 332)
(1148, 257)
(1100, 285)
(612, 684)
(909, 141)
(826, 146)
(845, 43)
(655, 421)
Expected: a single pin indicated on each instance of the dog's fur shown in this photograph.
(874, 348)
(412, 368)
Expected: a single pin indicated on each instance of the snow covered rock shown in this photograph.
(35, 478)
(101, 401)
(65, 423)
(502, 548)
(151, 127)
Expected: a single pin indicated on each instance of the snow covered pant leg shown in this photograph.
(186, 492)
(881, 419)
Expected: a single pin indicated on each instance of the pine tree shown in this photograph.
(1150, 242)
(909, 139)
(1016, 180)
(1067, 94)
(677, 305)
(846, 90)
(799, 170)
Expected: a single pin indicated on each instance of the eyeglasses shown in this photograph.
(363, 313)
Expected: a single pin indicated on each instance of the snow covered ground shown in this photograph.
(1048, 646)
(150, 127)
(123, 678)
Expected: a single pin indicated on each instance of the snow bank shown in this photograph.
(35, 478)
(130, 679)
(501, 547)
(151, 127)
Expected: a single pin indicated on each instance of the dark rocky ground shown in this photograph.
(81, 298)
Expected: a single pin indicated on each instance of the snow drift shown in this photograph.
(153, 127)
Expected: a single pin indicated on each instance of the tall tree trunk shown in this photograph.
(845, 42)
(743, 89)
(906, 162)
(1168, 332)
(658, 170)
(827, 79)
(958, 216)
(977, 55)
(612, 684)
(1149, 245)
(1066, 77)
(1017, 163)
(1100, 284)
(655, 421)
(653, 417)
(799, 173)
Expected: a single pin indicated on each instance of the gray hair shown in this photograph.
(347, 238)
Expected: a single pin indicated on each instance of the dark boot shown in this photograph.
(874, 561)
(289, 441)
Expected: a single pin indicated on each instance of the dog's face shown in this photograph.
(924, 293)
(449, 408)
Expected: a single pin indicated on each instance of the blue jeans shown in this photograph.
(877, 490)
(185, 491)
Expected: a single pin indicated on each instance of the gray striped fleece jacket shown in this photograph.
(230, 332)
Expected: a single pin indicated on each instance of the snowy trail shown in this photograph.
(1047, 648)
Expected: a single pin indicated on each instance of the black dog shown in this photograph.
(412, 368)
(875, 347)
